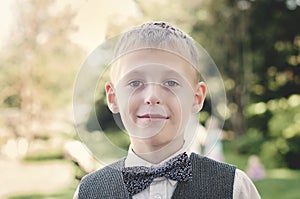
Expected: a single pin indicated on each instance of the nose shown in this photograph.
(152, 95)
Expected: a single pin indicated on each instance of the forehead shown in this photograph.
(147, 57)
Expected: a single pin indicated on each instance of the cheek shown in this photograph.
(127, 101)
(184, 100)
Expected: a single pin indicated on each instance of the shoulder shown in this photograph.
(202, 161)
(104, 183)
(244, 187)
(241, 176)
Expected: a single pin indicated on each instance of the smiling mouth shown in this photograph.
(153, 116)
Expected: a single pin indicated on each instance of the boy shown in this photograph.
(155, 88)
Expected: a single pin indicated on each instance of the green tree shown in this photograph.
(256, 46)
(222, 29)
(39, 63)
(275, 45)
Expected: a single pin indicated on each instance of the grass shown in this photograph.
(38, 196)
(64, 194)
(277, 184)
(280, 183)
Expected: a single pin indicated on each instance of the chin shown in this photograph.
(158, 142)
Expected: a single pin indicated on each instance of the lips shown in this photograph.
(153, 116)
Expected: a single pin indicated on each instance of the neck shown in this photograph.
(156, 153)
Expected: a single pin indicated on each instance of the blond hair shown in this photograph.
(159, 35)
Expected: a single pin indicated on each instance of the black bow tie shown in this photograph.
(138, 178)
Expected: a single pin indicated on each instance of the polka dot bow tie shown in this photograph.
(137, 179)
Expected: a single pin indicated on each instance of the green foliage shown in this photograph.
(12, 101)
(272, 154)
(250, 143)
(292, 156)
(282, 144)
(285, 129)
(269, 71)
(104, 119)
(44, 156)
(285, 120)
(119, 139)
(232, 156)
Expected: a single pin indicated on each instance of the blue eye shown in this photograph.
(171, 83)
(136, 83)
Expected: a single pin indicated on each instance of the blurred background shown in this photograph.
(255, 44)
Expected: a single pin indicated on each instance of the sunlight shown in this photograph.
(282, 174)
(6, 20)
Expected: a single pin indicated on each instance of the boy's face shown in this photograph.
(155, 93)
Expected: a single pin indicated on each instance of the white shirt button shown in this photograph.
(157, 196)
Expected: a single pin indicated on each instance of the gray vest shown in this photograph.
(211, 180)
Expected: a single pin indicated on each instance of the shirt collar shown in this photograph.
(134, 160)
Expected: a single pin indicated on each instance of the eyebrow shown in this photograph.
(167, 74)
(133, 72)
(140, 72)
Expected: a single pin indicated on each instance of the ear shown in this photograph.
(200, 93)
(111, 97)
